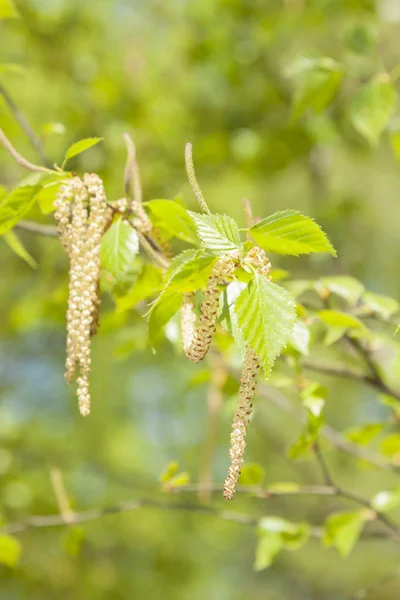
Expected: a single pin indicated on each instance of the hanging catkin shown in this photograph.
(247, 389)
(240, 421)
(81, 235)
(196, 340)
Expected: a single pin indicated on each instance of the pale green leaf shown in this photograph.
(8, 10)
(251, 474)
(372, 107)
(365, 434)
(386, 500)
(344, 286)
(318, 81)
(283, 487)
(266, 316)
(14, 206)
(119, 247)
(383, 306)
(300, 338)
(333, 334)
(343, 529)
(161, 312)
(148, 283)
(10, 550)
(268, 547)
(170, 470)
(174, 220)
(218, 233)
(337, 318)
(80, 147)
(290, 232)
(17, 246)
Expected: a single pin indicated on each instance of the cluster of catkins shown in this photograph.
(196, 340)
(82, 215)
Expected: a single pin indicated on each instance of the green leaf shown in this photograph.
(290, 232)
(386, 500)
(300, 338)
(148, 283)
(46, 196)
(390, 447)
(17, 246)
(252, 474)
(170, 470)
(191, 272)
(372, 107)
(218, 233)
(173, 218)
(304, 445)
(364, 434)
(283, 487)
(268, 547)
(10, 550)
(343, 529)
(161, 312)
(8, 10)
(228, 317)
(337, 318)
(80, 147)
(383, 306)
(16, 205)
(266, 316)
(318, 81)
(344, 286)
(119, 247)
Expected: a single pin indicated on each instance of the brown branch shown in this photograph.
(20, 159)
(337, 439)
(25, 126)
(46, 230)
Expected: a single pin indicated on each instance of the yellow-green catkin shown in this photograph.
(81, 225)
(240, 421)
(196, 339)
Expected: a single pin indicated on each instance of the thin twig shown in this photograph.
(46, 230)
(20, 159)
(193, 180)
(61, 494)
(153, 253)
(337, 439)
(25, 126)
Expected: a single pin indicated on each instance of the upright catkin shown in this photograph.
(240, 421)
(196, 340)
(81, 226)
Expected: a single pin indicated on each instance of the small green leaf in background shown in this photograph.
(318, 80)
(390, 447)
(313, 397)
(80, 147)
(304, 445)
(300, 338)
(336, 318)
(172, 477)
(190, 272)
(218, 233)
(53, 128)
(348, 288)
(372, 107)
(276, 534)
(173, 219)
(343, 529)
(170, 470)
(47, 195)
(10, 550)
(161, 312)
(383, 306)
(17, 246)
(266, 316)
(119, 247)
(148, 283)
(14, 206)
(290, 232)
(365, 434)
(252, 474)
(386, 500)
(8, 10)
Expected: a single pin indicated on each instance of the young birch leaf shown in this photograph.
(10, 550)
(8, 10)
(345, 286)
(161, 312)
(119, 247)
(17, 246)
(16, 205)
(290, 232)
(343, 529)
(148, 283)
(266, 316)
(80, 147)
(372, 107)
(219, 233)
(173, 218)
(268, 547)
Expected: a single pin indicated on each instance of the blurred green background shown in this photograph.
(213, 72)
